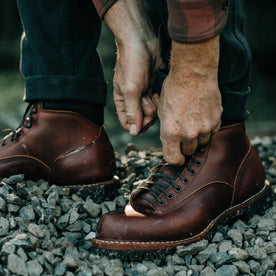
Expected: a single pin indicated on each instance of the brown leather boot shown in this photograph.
(181, 205)
(61, 147)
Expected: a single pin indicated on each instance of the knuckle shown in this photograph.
(191, 134)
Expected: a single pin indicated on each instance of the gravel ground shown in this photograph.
(44, 231)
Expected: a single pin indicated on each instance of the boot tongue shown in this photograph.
(138, 200)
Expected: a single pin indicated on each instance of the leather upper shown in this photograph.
(61, 147)
(229, 171)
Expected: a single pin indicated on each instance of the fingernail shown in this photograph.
(133, 129)
(145, 101)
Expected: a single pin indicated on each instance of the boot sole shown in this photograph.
(125, 250)
(98, 192)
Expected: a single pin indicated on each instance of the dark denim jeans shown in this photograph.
(60, 61)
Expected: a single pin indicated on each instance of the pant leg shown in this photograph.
(235, 56)
(234, 65)
(59, 58)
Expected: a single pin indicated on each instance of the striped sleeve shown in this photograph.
(192, 21)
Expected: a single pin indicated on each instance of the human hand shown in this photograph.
(190, 104)
(138, 59)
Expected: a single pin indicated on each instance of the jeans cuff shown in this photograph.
(65, 88)
(234, 105)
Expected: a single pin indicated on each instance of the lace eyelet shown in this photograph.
(202, 150)
(20, 134)
(29, 125)
(186, 181)
(170, 196)
(197, 163)
(34, 110)
(192, 172)
(3, 144)
(161, 203)
(178, 189)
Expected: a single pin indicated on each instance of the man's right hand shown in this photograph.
(138, 59)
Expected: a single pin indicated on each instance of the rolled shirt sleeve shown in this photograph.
(102, 6)
(192, 21)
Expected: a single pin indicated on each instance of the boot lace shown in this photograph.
(26, 122)
(158, 188)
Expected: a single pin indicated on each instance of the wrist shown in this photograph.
(129, 23)
(198, 60)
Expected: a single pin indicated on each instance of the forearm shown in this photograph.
(195, 61)
(128, 22)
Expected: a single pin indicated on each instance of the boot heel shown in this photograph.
(259, 207)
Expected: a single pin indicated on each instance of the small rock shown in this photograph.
(130, 147)
(97, 271)
(74, 216)
(207, 271)
(4, 226)
(27, 213)
(60, 269)
(184, 273)
(221, 258)
(249, 234)
(240, 254)
(14, 179)
(140, 164)
(267, 264)
(254, 266)
(7, 249)
(267, 225)
(63, 221)
(227, 270)
(20, 240)
(141, 268)
(75, 227)
(13, 209)
(225, 246)
(257, 253)
(192, 249)
(156, 272)
(270, 248)
(34, 268)
(242, 266)
(36, 230)
(3, 205)
(176, 260)
(93, 209)
(218, 237)
(16, 265)
(13, 199)
(154, 162)
(108, 206)
(236, 236)
(71, 261)
(21, 253)
(240, 225)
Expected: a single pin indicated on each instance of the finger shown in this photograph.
(133, 113)
(217, 128)
(172, 152)
(203, 139)
(188, 147)
(156, 99)
(120, 108)
(148, 107)
(148, 122)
